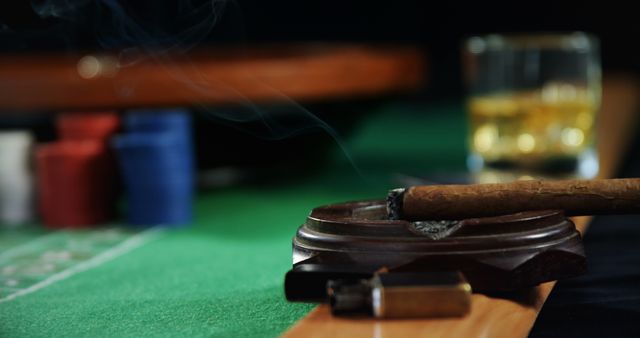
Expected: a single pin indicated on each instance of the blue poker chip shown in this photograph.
(158, 120)
(176, 121)
(154, 153)
(158, 177)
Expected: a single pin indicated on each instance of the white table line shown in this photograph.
(118, 250)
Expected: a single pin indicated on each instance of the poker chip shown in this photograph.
(175, 120)
(87, 126)
(158, 177)
(96, 126)
(157, 164)
(76, 185)
(16, 179)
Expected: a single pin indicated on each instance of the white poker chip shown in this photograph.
(16, 178)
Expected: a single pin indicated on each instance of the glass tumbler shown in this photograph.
(532, 103)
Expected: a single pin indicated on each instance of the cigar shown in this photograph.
(574, 197)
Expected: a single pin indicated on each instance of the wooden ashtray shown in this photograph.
(355, 239)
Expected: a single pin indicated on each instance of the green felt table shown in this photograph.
(222, 275)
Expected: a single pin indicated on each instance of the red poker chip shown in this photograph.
(76, 183)
(88, 126)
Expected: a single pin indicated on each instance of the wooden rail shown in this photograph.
(210, 77)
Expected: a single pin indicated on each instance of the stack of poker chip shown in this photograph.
(77, 174)
(157, 166)
(96, 127)
(16, 179)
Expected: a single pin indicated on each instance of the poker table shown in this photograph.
(223, 274)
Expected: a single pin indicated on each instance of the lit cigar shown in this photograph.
(574, 197)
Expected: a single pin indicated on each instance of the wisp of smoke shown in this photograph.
(138, 35)
(62, 9)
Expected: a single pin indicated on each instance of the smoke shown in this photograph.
(146, 25)
(154, 31)
(61, 9)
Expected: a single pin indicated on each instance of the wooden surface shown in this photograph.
(494, 317)
(220, 76)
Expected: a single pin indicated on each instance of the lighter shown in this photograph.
(402, 295)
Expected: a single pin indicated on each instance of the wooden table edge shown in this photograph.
(216, 76)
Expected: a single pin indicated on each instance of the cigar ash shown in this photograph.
(436, 229)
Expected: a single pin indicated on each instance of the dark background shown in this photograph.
(81, 26)
(29, 26)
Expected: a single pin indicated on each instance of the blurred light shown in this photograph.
(475, 162)
(485, 137)
(589, 166)
(526, 143)
(578, 41)
(88, 67)
(567, 92)
(476, 45)
(550, 92)
(572, 137)
(91, 66)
